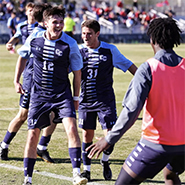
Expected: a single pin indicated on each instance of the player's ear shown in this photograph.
(98, 33)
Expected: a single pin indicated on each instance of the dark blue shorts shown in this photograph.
(146, 162)
(25, 100)
(106, 117)
(38, 116)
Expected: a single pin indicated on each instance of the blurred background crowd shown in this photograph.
(115, 17)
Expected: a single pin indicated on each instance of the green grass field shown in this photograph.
(11, 172)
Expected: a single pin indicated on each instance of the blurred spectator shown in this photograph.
(2, 12)
(120, 4)
(135, 5)
(12, 24)
(21, 13)
(99, 12)
(71, 7)
(69, 25)
(9, 7)
(93, 6)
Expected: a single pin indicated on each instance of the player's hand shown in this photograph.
(97, 147)
(9, 46)
(18, 88)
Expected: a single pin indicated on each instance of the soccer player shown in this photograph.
(97, 97)
(21, 117)
(158, 85)
(69, 25)
(24, 29)
(53, 51)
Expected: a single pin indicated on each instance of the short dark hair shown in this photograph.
(38, 11)
(165, 32)
(93, 24)
(56, 10)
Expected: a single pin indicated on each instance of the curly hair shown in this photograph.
(165, 32)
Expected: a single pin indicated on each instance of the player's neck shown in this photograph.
(31, 21)
(95, 45)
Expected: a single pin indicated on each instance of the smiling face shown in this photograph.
(90, 38)
(54, 25)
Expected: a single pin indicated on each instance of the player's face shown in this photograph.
(29, 12)
(90, 38)
(54, 27)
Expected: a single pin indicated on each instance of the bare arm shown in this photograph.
(132, 69)
(11, 42)
(21, 62)
(76, 86)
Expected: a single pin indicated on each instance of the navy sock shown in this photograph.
(45, 140)
(86, 160)
(28, 166)
(75, 156)
(9, 136)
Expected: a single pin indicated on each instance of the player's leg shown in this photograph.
(87, 121)
(38, 118)
(74, 146)
(173, 169)
(13, 128)
(87, 135)
(107, 118)
(42, 151)
(170, 178)
(15, 124)
(142, 163)
(126, 178)
(107, 173)
(30, 154)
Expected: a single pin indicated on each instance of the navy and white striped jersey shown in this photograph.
(97, 74)
(24, 30)
(28, 71)
(51, 60)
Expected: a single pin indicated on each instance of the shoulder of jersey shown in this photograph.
(23, 23)
(68, 38)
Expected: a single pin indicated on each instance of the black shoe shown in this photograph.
(44, 154)
(4, 153)
(86, 174)
(107, 173)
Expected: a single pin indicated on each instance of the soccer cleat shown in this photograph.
(4, 153)
(86, 174)
(79, 180)
(107, 173)
(44, 154)
(26, 182)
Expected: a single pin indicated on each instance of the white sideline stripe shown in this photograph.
(8, 108)
(18, 108)
(47, 174)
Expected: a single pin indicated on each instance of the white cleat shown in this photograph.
(79, 180)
